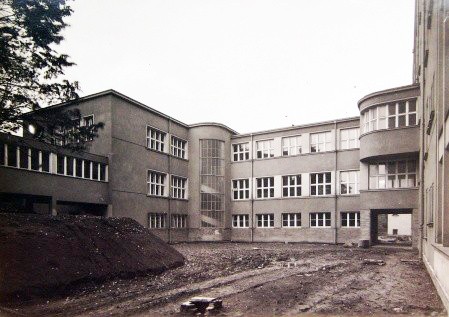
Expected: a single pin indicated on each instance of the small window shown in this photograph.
(240, 152)
(291, 186)
(156, 220)
(156, 139)
(320, 220)
(240, 189)
(291, 220)
(350, 219)
(265, 187)
(240, 221)
(265, 221)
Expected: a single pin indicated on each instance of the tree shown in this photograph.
(31, 71)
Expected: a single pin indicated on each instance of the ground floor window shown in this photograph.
(179, 221)
(156, 220)
(350, 219)
(265, 221)
(240, 221)
(320, 220)
(291, 220)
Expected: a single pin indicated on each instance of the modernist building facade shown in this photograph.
(324, 182)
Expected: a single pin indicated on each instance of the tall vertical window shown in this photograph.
(320, 184)
(320, 220)
(349, 182)
(156, 139)
(265, 221)
(178, 147)
(212, 184)
(392, 174)
(350, 219)
(178, 187)
(291, 145)
(240, 221)
(11, 152)
(240, 189)
(349, 138)
(23, 152)
(156, 220)
(156, 183)
(265, 187)
(320, 142)
(240, 152)
(265, 149)
(291, 186)
(291, 220)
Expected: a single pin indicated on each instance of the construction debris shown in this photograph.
(373, 262)
(202, 305)
(410, 261)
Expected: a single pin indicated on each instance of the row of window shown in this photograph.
(390, 116)
(392, 174)
(159, 221)
(319, 142)
(157, 141)
(157, 183)
(293, 220)
(41, 161)
(320, 185)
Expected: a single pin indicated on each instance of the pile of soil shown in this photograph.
(44, 255)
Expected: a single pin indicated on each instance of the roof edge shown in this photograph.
(387, 91)
(220, 125)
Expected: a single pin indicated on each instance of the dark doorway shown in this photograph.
(391, 227)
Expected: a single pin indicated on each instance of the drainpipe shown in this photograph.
(169, 182)
(252, 189)
(422, 130)
(335, 185)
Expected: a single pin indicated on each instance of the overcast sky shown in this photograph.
(249, 64)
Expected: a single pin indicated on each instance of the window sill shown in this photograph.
(240, 227)
(167, 154)
(349, 227)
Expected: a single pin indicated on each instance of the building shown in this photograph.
(328, 182)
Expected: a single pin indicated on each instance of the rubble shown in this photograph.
(201, 305)
(373, 262)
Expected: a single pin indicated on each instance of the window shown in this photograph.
(265, 221)
(156, 183)
(240, 189)
(240, 152)
(291, 145)
(102, 172)
(95, 171)
(155, 139)
(320, 220)
(291, 186)
(87, 122)
(265, 187)
(320, 184)
(2, 153)
(156, 221)
(401, 114)
(393, 174)
(178, 221)
(240, 221)
(349, 138)
(349, 182)
(60, 164)
(350, 219)
(178, 187)
(23, 154)
(69, 161)
(212, 184)
(78, 167)
(45, 165)
(87, 173)
(291, 220)
(35, 159)
(320, 142)
(178, 147)
(265, 149)
(12, 155)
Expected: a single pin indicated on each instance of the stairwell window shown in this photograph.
(156, 139)
(265, 187)
(320, 184)
(265, 221)
(240, 152)
(240, 221)
(265, 149)
(291, 145)
(240, 189)
(350, 219)
(156, 220)
(156, 183)
(320, 142)
(320, 220)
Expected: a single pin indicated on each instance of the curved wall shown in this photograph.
(394, 94)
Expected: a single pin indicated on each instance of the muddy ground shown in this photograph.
(261, 279)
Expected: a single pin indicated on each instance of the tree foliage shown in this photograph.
(31, 70)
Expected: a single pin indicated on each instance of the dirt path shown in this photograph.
(261, 279)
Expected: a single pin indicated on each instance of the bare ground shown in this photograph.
(261, 279)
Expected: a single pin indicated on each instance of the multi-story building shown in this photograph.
(330, 182)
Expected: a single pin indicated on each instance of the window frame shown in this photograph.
(317, 185)
(239, 190)
(263, 223)
(269, 188)
(327, 145)
(288, 217)
(179, 221)
(317, 219)
(180, 188)
(159, 145)
(345, 217)
(297, 147)
(289, 186)
(269, 151)
(240, 152)
(240, 221)
(176, 150)
(348, 182)
(161, 185)
(157, 220)
(349, 139)
(386, 175)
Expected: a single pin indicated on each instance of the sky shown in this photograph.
(249, 64)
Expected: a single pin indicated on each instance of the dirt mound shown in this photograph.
(42, 255)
